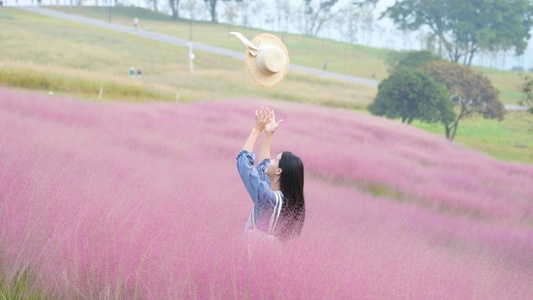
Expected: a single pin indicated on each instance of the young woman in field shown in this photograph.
(275, 186)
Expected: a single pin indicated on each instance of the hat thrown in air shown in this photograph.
(267, 59)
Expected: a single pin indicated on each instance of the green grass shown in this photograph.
(313, 52)
(87, 87)
(508, 140)
(21, 287)
(42, 53)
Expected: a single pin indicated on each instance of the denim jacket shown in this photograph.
(258, 186)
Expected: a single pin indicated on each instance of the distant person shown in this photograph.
(135, 22)
(275, 185)
(132, 72)
(139, 73)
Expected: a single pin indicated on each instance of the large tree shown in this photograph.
(464, 28)
(410, 94)
(472, 93)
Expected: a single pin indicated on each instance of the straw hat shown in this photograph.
(267, 59)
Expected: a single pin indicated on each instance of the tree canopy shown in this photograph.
(409, 59)
(464, 28)
(527, 93)
(469, 91)
(411, 94)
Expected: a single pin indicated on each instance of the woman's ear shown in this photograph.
(278, 171)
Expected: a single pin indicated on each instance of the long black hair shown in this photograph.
(292, 187)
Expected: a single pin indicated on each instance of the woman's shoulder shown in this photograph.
(246, 156)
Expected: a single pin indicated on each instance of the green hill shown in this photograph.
(64, 57)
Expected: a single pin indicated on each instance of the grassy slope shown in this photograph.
(88, 51)
(82, 59)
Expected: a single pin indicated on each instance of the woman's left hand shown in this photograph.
(262, 118)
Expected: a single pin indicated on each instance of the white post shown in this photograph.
(191, 57)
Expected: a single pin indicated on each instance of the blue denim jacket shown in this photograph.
(258, 186)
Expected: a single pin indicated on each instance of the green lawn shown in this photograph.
(508, 140)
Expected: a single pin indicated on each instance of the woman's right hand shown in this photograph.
(272, 124)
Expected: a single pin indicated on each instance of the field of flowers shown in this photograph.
(143, 201)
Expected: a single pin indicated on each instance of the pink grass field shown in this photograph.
(143, 201)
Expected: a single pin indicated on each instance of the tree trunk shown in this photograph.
(447, 130)
(174, 6)
(212, 6)
(155, 5)
(454, 129)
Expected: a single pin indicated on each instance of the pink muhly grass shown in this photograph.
(115, 200)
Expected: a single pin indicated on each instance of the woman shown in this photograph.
(276, 186)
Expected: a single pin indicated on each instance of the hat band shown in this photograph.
(252, 48)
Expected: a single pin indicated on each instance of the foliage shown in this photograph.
(471, 92)
(527, 93)
(464, 28)
(410, 94)
(408, 59)
(317, 15)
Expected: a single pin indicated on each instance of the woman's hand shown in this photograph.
(262, 118)
(272, 124)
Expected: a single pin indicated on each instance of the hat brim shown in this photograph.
(259, 77)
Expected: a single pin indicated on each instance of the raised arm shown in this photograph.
(262, 117)
(270, 128)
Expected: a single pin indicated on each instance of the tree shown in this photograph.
(411, 94)
(527, 93)
(464, 28)
(212, 8)
(191, 7)
(316, 16)
(155, 3)
(409, 59)
(347, 22)
(470, 92)
(174, 7)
